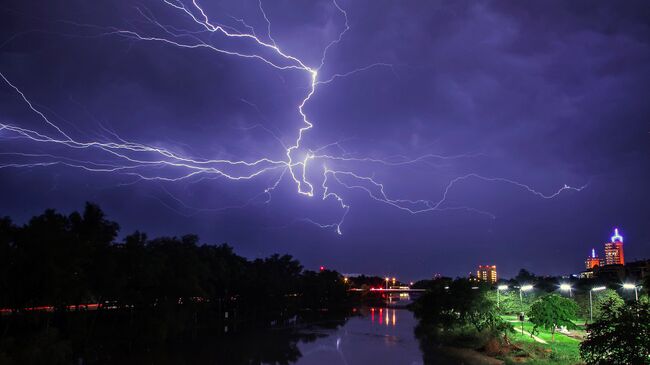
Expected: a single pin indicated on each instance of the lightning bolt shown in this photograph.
(154, 163)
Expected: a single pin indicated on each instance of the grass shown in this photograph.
(564, 350)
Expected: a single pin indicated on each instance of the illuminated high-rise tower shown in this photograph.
(614, 250)
(592, 261)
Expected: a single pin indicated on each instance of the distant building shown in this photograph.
(614, 250)
(612, 266)
(592, 261)
(487, 273)
(587, 274)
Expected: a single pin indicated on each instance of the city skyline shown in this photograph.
(389, 140)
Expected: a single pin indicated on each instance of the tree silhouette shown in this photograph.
(148, 289)
(620, 336)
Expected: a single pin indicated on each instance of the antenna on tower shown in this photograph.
(617, 236)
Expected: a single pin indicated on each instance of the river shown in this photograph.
(376, 336)
(379, 335)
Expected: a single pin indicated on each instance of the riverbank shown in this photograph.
(521, 350)
(469, 356)
(468, 346)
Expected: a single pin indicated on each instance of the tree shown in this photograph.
(599, 298)
(552, 311)
(322, 289)
(509, 301)
(447, 305)
(7, 256)
(525, 277)
(620, 336)
(472, 304)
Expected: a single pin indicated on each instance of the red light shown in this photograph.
(322, 268)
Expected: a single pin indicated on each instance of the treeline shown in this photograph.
(511, 302)
(145, 293)
(66, 260)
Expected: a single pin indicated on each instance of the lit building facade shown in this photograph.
(487, 273)
(592, 261)
(614, 250)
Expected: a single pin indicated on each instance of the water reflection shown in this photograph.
(374, 335)
(387, 312)
(273, 346)
(379, 335)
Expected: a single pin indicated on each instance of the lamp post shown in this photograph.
(521, 304)
(387, 279)
(632, 286)
(566, 287)
(499, 288)
(522, 289)
(591, 306)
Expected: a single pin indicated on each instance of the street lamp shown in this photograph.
(521, 304)
(387, 279)
(499, 288)
(591, 306)
(632, 286)
(566, 287)
(522, 289)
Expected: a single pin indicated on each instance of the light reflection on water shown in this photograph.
(380, 335)
(389, 313)
(377, 335)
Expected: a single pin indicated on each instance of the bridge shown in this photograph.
(389, 290)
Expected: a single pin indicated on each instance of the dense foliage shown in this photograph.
(64, 260)
(453, 304)
(141, 291)
(620, 336)
(552, 311)
(468, 313)
(599, 298)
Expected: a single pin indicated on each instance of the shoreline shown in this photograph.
(470, 356)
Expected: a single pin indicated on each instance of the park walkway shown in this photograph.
(537, 339)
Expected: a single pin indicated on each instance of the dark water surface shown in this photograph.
(372, 336)
(378, 336)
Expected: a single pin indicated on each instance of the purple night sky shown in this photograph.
(451, 134)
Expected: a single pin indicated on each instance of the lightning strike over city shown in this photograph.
(143, 161)
(329, 129)
(324, 182)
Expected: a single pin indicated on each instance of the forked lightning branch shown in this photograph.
(145, 162)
